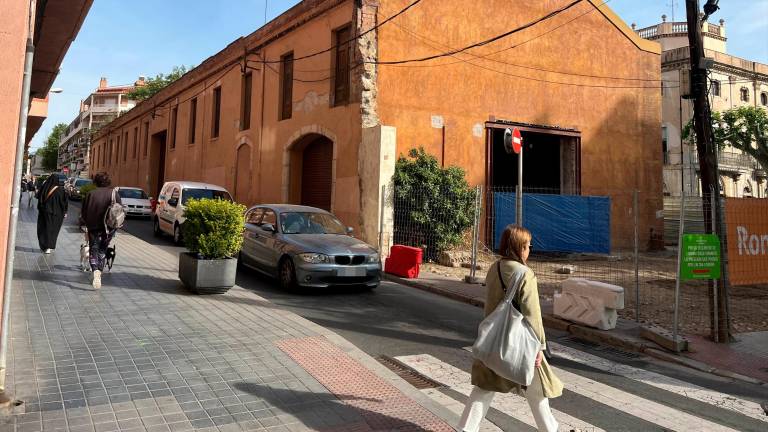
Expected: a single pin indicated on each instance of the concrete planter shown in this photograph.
(207, 276)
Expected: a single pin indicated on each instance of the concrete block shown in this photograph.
(589, 303)
(664, 338)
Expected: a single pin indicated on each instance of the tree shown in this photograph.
(159, 82)
(433, 206)
(743, 128)
(50, 150)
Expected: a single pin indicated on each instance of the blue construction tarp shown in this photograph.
(559, 223)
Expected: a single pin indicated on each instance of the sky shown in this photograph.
(122, 39)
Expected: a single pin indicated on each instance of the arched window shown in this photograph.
(745, 94)
(764, 98)
(747, 193)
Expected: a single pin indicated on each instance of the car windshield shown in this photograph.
(132, 193)
(82, 182)
(310, 223)
(189, 194)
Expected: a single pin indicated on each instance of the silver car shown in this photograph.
(306, 246)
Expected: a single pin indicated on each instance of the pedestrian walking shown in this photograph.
(23, 185)
(514, 248)
(52, 206)
(92, 216)
(30, 191)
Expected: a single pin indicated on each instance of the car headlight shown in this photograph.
(372, 258)
(315, 258)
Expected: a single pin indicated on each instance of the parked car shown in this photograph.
(306, 246)
(135, 201)
(74, 189)
(169, 210)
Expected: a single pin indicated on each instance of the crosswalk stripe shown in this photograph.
(648, 410)
(673, 385)
(509, 404)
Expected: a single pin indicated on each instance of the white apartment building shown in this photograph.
(99, 108)
(734, 82)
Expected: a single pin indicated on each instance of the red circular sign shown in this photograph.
(517, 140)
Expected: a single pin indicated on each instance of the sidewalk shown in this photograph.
(746, 360)
(143, 354)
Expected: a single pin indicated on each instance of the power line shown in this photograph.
(317, 53)
(484, 42)
(428, 40)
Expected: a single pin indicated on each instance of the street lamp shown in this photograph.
(55, 90)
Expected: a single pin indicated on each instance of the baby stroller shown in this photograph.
(109, 258)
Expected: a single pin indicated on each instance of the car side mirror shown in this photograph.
(350, 230)
(269, 228)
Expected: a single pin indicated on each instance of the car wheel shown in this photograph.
(177, 234)
(156, 228)
(288, 275)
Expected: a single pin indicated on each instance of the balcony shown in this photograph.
(678, 29)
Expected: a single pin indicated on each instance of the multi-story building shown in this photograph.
(313, 108)
(734, 82)
(100, 107)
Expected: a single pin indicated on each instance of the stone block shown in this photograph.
(590, 303)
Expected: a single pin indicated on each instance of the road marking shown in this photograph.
(672, 385)
(510, 404)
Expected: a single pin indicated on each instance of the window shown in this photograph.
(662, 88)
(135, 141)
(664, 144)
(744, 94)
(764, 98)
(245, 101)
(189, 194)
(343, 54)
(286, 86)
(174, 117)
(269, 218)
(117, 150)
(216, 112)
(174, 200)
(125, 147)
(715, 88)
(146, 138)
(254, 216)
(192, 120)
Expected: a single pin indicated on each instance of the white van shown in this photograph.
(169, 213)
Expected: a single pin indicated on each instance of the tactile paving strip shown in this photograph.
(381, 405)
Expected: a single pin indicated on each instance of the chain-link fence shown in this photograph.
(622, 237)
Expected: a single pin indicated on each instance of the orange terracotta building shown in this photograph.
(315, 106)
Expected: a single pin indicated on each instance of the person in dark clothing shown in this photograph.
(30, 191)
(52, 206)
(95, 206)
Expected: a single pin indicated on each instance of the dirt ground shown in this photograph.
(656, 282)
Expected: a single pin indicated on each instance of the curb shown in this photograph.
(589, 334)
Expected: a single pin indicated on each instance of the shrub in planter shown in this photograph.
(213, 233)
(86, 189)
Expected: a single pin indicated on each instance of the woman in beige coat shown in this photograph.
(514, 248)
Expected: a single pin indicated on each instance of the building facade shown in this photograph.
(100, 107)
(315, 107)
(734, 82)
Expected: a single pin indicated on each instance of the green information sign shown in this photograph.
(700, 258)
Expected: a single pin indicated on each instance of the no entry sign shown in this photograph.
(513, 141)
(700, 257)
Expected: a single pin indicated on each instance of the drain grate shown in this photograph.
(581, 342)
(601, 348)
(619, 353)
(410, 376)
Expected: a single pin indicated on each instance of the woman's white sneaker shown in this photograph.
(97, 279)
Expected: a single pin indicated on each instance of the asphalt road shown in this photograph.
(395, 320)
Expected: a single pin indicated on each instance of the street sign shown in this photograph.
(65, 170)
(700, 257)
(513, 141)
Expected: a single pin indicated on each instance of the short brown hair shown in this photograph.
(102, 180)
(513, 239)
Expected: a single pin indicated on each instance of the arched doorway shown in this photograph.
(317, 173)
(243, 175)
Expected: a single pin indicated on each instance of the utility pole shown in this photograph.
(705, 146)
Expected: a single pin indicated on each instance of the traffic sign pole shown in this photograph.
(519, 205)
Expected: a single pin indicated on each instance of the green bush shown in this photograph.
(433, 206)
(86, 189)
(213, 227)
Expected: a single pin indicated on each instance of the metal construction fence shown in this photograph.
(622, 237)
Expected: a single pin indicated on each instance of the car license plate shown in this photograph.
(350, 271)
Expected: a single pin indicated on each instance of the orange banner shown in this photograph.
(746, 220)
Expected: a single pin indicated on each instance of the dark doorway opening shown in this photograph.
(317, 174)
(157, 162)
(551, 162)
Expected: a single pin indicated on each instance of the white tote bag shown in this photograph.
(506, 343)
